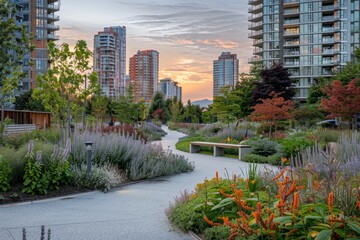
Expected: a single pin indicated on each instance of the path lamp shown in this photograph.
(89, 155)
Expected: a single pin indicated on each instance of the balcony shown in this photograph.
(291, 63)
(328, 40)
(53, 37)
(294, 73)
(330, 8)
(255, 2)
(258, 42)
(53, 18)
(255, 17)
(255, 59)
(291, 53)
(255, 8)
(292, 22)
(53, 7)
(255, 26)
(53, 27)
(329, 18)
(256, 34)
(290, 43)
(289, 33)
(257, 51)
(291, 11)
(290, 2)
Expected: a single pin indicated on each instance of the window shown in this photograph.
(39, 3)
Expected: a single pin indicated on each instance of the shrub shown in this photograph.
(254, 158)
(151, 131)
(184, 143)
(5, 174)
(294, 144)
(263, 147)
(35, 182)
(288, 214)
(138, 159)
(217, 233)
(102, 178)
(264, 128)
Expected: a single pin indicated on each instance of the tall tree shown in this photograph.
(351, 70)
(272, 109)
(275, 79)
(62, 88)
(158, 105)
(224, 106)
(125, 108)
(25, 101)
(175, 110)
(99, 107)
(14, 44)
(342, 100)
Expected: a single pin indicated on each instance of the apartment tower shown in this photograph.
(144, 74)
(40, 19)
(311, 38)
(170, 89)
(109, 60)
(225, 72)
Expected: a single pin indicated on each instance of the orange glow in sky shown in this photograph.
(189, 35)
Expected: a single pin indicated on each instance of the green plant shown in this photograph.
(5, 174)
(264, 128)
(263, 147)
(217, 233)
(253, 177)
(294, 144)
(35, 182)
(102, 178)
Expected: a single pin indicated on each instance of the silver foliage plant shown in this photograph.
(343, 156)
(138, 159)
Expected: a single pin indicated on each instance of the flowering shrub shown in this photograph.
(138, 159)
(288, 214)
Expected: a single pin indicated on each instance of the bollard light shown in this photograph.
(89, 156)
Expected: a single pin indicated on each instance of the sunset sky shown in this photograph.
(189, 35)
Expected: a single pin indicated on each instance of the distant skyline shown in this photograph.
(189, 35)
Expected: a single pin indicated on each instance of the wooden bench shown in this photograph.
(19, 128)
(219, 148)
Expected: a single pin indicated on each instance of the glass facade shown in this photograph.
(225, 72)
(311, 38)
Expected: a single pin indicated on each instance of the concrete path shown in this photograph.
(133, 212)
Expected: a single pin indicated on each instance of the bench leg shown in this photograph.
(243, 151)
(218, 151)
(194, 148)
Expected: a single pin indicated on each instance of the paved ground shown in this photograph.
(132, 212)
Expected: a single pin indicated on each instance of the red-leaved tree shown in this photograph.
(342, 100)
(272, 109)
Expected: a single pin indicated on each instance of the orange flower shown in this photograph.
(234, 177)
(284, 159)
(211, 222)
(280, 174)
(316, 185)
(331, 201)
(217, 176)
(296, 201)
(357, 205)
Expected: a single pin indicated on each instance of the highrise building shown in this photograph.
(170, 89)
(311, 38)
(144, 74)
(40, 19)
(225, 72)
(121, 31)
(107, 56)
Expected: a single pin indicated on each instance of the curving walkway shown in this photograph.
(132, 212)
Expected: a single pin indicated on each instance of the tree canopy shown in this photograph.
(62, 89)
(275, 79)
(342, 99)
(14, 45)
